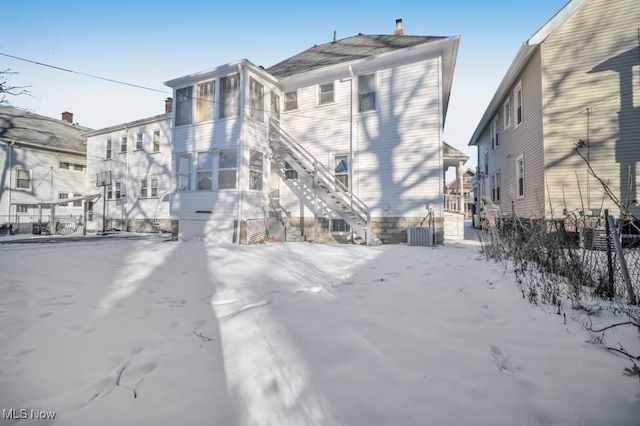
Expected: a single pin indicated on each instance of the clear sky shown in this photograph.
(150, 42)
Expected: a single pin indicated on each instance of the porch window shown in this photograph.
(275, 106)
(340, 226)
(506, 107)
(325, 94)
(156, 141)
(183, 171)
(518, 101)
(291, 100)
(289, 172)
(227, 167)
(366, 92)
(77, 203)
(256, 99)
(256, 169)
(123, 144)
(520, 176)
(22, 208)
(205, 103)
(205, 172)
(138, 141)
(63, 196)
(341, 171)
(229, 95)
(184, 105)
(23, 179)
(495, 141)
(108, 150)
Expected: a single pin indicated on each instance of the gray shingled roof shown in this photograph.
(22, 126)
(345, 50)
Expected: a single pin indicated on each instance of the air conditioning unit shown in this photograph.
(420, 236)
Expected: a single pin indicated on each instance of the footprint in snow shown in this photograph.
(501, 359)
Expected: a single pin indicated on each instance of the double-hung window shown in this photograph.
(495, 141)
(63, 196)
(205, 172)
(139, 141)
(367, 92)
(275, 106)
(108, 150)
(22, 208)
(183, 171)
(184, 105)
(256, 169)
(149, 188)
(495, 187)
(520, 176)
(227, 167)
(23, 179)
(291, 100)
(229, 95)
(118, 194)
(64, 165)
(517, 94)
(156, 141)
(123, 144)
(289, 172)
(341, 171)
(256, 99)
(325, 93)
(205, 103)
(506, 109)
(77, 203)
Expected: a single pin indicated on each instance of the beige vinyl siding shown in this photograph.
(592, 61)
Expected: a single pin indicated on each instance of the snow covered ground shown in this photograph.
(146, 331)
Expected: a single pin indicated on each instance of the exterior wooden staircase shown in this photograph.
(319, 186)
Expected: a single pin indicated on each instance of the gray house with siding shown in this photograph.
(574, 85)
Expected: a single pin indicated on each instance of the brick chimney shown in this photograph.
(168, 105)
(399, 31)
(68, 117)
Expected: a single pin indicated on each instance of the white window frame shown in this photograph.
(290, 104)
(153, 141)
(506, 112)
(520, 190)
(256, 173)
(495, 133)
(79, 168)
(28, 188)
(123, 144)
(206, 171)
(363, 95)
(256, 99)
(347, 230)
(229, 96)
(150, 187)
(63, 196)
(227, 169)
(327, 101)
(342, 175)
(275, 105)
(66, 167)
(486, 163)
(77, 203)
(22, 208)
(139, 141)
(184, 106)
(184, 173)
(518, 99)
(108, 149)
(495, 187)
(205, 102)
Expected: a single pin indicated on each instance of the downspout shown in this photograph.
(10, 177)
(351, 144)
(125, 205)
(240, 157)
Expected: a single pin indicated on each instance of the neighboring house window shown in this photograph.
(156, 141)
(341, 170)
(366, 92)
(520, 176)
(123, 144)
(78, 167)
(291, 100)
(205, 172)
(149, 188)
(256, 99)
(256, 169)
(495, 141)
(22, 208)
(325, 94)
(495, 187)
(77, 203)
(229, 95)
(506, 107)
(184, 105)
(340, 225)
(23, 179)
(64, 165)
(205, 104)
(183, 171)
(154, 187)
(486, 163)
(518, 102)
(117, 190)
(144, 188)
(289, 172)
(275, 106)
(63, 196)
(139, 141)
(108, 150)
(110, 191)
(227, 165)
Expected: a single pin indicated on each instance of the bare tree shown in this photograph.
(7, 89)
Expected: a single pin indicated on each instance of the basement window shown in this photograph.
(340, 226)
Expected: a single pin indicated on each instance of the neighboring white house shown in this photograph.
(346, 136)
(43, 160)
(137, 156)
